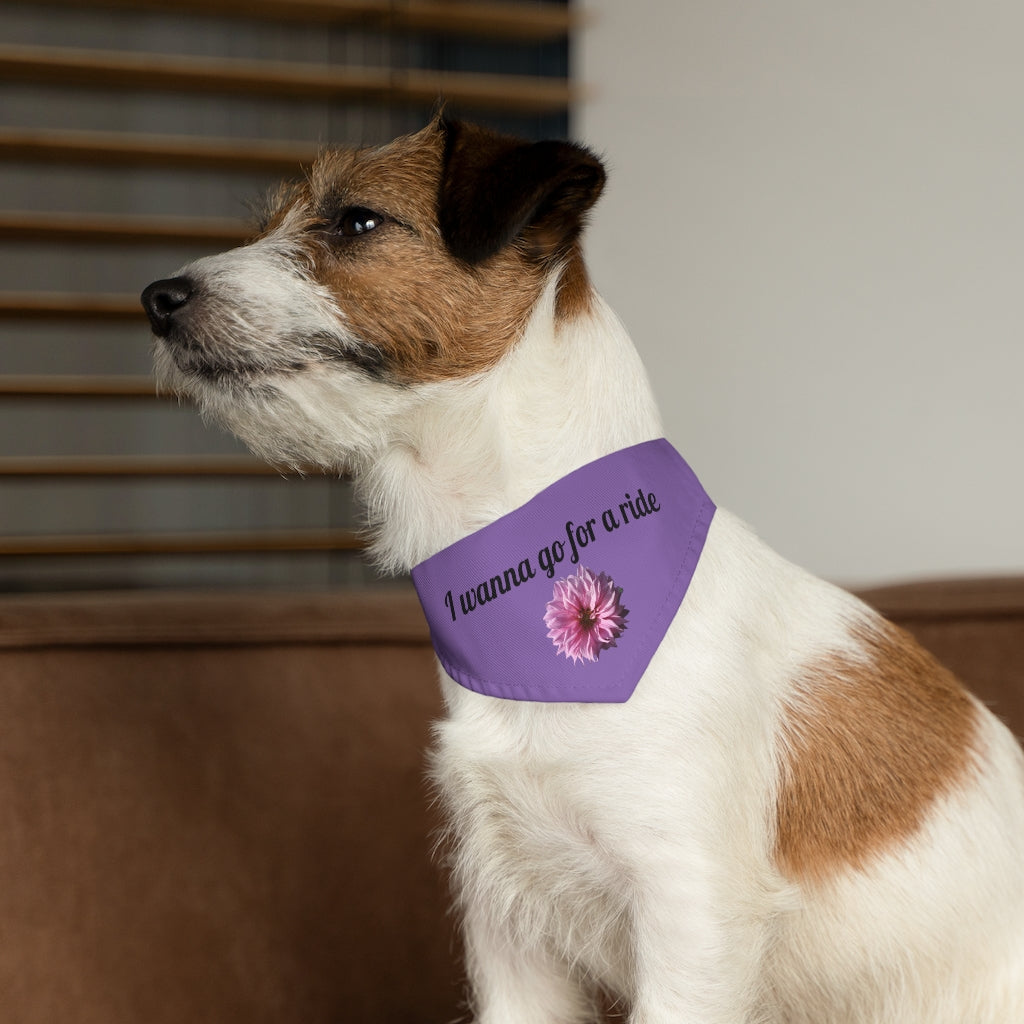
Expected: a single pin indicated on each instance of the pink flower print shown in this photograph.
(585, 615)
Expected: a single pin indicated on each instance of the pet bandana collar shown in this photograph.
(568, 597)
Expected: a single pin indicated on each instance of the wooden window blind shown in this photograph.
(131, 138)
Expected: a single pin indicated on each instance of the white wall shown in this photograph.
(814, 229)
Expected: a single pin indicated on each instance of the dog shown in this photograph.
(795, 816)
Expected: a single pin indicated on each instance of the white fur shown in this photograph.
(630, 847)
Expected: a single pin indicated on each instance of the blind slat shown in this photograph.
(142, 466)
(77, 386)
(119, 149)
(67, 66)
(20, 226)
(484, 18)
(69, 306)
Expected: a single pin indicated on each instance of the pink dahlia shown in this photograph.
(585, 615)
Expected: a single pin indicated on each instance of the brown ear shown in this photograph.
(496, 190)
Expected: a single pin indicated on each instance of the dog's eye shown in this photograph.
(357, 220)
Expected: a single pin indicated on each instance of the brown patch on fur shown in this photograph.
(427, 315)
(575, 293)
(868, 747)
(272, 211)
(422, 312)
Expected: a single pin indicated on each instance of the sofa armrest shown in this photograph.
(974, 626)
(214, 810)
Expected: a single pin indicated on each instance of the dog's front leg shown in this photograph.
(513, 982)
(699, 955)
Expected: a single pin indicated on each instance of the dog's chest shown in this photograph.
(529, 834)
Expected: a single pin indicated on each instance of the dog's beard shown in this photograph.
(235, 348)
(240, 352)
(300, 402)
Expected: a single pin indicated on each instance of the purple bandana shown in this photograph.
(568, 597)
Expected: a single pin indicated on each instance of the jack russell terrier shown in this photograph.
(678, 771)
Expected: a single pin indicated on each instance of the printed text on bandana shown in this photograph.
(567, 546)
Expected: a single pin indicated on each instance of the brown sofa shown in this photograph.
(212, 806)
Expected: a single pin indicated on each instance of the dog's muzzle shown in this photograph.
(164, 301)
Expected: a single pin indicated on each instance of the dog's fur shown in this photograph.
(798, 817)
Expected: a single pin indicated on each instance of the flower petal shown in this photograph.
(585, 615)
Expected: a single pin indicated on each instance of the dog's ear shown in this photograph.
(496, 190)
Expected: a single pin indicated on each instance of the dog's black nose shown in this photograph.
(163, 299)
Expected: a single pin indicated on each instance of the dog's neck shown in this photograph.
(470, 451)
